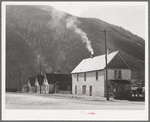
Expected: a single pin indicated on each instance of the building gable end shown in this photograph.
(118, 62)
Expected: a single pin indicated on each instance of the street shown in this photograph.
(69, 102)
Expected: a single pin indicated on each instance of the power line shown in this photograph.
(133, 22)
(24, 39)
(129, 17)
(27, 64)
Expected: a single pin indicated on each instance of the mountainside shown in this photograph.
(62, 41)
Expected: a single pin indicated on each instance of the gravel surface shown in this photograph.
(69, 102)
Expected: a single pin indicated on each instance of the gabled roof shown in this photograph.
(40, 79)
(49, 77)
(93, 64)
(58, 77)
(32, 80)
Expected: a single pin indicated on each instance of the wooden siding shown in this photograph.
(125, 74)
(45, 86)
(118, 62)
(51, 88)
(97, 85)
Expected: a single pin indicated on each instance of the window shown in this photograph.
(96, 75)
(47, 87)
(117, 74)
(119, 77)
(77, 77)
(84, 89)
(85, 76)
(90, 90)
(75, 89)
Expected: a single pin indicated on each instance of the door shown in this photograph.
(122, 92)
(90, 90)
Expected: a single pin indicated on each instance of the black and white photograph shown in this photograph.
(74, 60)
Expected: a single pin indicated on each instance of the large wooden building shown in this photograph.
(58, 83)
(89, 77)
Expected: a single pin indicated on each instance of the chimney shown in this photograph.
(58, 71)
(92, 56)
(108, 51)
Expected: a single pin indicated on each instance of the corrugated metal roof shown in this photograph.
(95, 63)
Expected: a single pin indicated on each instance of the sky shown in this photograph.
(129, 15)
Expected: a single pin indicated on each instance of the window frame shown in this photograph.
(77, 77)
(83, 89)
(96, 75)
(119, 74)
(84, 76)
(115, 75)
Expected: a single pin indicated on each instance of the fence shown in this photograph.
(65, 92)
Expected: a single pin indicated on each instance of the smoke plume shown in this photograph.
(71, 24)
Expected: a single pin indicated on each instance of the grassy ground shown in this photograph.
(69, 102)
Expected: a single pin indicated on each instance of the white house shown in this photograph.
(31, 84)
(25, 88)
(39, 82)
(89, 77)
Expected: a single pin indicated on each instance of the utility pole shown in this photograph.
(53, 78)
(9, 79)
(40, 73)
(106, 67)
(40, 50)
(19, 79)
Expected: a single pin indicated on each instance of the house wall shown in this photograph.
(23, 89)
(45, 88)
(51, 88)
(97, 85)
(125, 74)
(28, 84)
(37, 86)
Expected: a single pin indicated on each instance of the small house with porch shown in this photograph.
(25, 88)
(89, 77)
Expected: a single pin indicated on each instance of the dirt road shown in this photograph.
(69, 102)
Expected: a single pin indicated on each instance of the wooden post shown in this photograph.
(9, 79)
(53, 79)
(19, 79)
(40, 74)
(106, 67)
